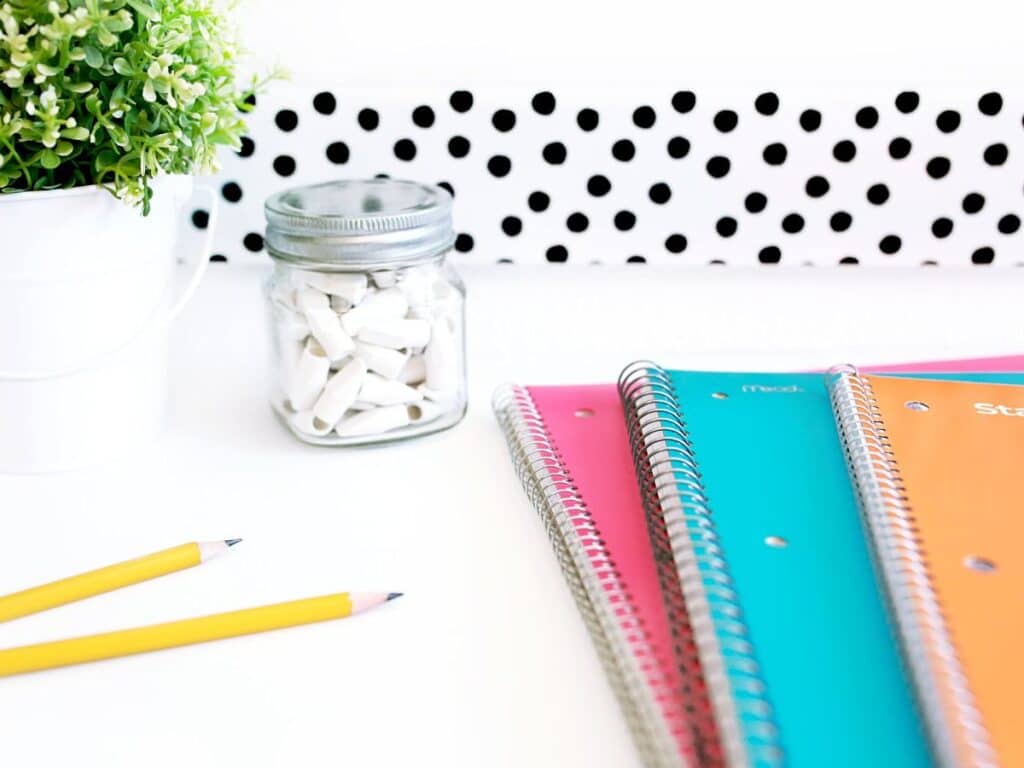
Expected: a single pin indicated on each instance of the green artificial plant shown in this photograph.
(115, 92)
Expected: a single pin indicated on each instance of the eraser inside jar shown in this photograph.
(366, 313)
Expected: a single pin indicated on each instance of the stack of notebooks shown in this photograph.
(794, 569)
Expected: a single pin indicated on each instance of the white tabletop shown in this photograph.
(484, 661)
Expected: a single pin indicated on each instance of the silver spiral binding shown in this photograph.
(605, 605)
(703, 607)
(958, 735)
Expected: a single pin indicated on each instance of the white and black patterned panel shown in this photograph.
(689, 176)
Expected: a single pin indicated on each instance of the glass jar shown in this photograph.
(366, 313)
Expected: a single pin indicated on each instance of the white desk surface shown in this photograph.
(484, 661)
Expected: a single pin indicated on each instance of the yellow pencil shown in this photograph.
(125, 642)
(112, 577)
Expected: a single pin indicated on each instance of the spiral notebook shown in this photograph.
(747, 493)
(571, 452)
(938, 469)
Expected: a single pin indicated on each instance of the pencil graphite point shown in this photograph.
(231, 542)
(393, 595)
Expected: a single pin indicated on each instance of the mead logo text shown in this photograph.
(990, 409)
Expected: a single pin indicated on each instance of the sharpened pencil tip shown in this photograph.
(231, 542)
(393, 595)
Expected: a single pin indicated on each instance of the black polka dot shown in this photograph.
(1007, 225)
(716, 263)
(683, 101)
(253, 242)
(929, 263)
(675, 243)
(381, 176)
(755, 202)
(849, 260)
(636, 260)
(844, 151)
(623, 150)
(504, 120)
(247, 147)
(286, 120)
(284, 165)
(973, 202)
(458, 146)
(554, 153)
(775, 154)
(899, 148)
(942, 227)
(218, 258)
(938, 167)
(337, 152)
(660, 193)
(678, 147)
(464, 243)
(624, 221)
(769, 255)
(792, 223)
(447, 187)
(718, 166)
(511, 225)
(557, 254)
(505, 261)
(200, 219)
(767, 103)
(996, 154)
(644, 117)
(598, 185)
(587, 119)
(866, 117)
(890, 244)
(423, 116)
(325, 103)
(461, 101)
(577, 222)
(499, 165)
(543, 103)
(878, 194)
(990, 104)
(726, 120)
(817, 186)
(538, 201)
(948, 121)
(810, 120)
(405, 149)
(907, 101)
(368, 119)
(249, 100)
(726, 226)
(840, 221)
(983, 255)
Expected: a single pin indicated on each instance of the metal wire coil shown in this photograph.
(703, 608)
(958, 735)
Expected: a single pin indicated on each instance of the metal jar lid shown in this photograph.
(359, 223)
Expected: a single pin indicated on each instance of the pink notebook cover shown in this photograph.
(587, 426)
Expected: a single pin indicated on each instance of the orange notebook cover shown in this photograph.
(939, 470)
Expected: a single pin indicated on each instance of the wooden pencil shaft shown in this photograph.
(98, 581)
(79, 650)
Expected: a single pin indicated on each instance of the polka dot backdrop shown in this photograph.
(654, 175)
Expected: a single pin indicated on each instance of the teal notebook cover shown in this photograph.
(764, 528)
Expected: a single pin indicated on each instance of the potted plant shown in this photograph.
(107, 108)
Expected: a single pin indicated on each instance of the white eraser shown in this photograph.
(441, 357)
(373, 422)
(309, 376)
(291, 326)
(308, 299)
(414, 372)
(384, 279)
(351, 286)
(380, 391)
(340, 392)
(308, 423)
(386, 362)
(389, 303)
(396, 333)
(326, 328)
(423, 411)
